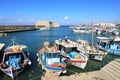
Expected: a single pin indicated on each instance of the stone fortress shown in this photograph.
(48, 24)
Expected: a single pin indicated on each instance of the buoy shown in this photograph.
(4, 65)
(29, 62)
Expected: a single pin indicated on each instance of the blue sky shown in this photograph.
(61, 11)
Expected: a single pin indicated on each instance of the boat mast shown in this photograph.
(92, 31)
(13, 42)
(99, 22)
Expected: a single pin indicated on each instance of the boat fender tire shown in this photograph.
(4, 66)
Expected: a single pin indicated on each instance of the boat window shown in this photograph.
(103, 44)
(118, 47)
(15, 56)
(67, 50)
(56, 55)
(53, 55)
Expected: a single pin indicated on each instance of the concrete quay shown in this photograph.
(110, 71)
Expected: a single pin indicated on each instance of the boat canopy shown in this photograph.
(102, 38)
(117, 39)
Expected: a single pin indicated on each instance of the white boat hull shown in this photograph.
(82, 64)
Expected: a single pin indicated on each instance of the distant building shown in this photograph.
(105, 25)
(47, 24)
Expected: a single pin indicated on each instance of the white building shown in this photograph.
(105, 24)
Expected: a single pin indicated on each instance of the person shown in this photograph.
(96, 45)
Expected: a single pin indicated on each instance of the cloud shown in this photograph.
(65, 17)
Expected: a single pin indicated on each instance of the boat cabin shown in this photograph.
(13, 60)
(53, 57)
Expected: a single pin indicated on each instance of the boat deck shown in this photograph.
(66, 44)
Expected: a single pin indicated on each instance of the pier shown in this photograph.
(16, 28)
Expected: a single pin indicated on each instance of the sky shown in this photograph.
(60, 11)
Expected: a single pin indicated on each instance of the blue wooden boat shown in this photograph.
(112, 45)
(71, 53)
(50, 58)
(15, 59)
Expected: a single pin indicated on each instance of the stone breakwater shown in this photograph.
(16, 28)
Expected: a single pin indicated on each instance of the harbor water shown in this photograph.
(35, 39)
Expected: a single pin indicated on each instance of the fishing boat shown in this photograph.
(50, 59)
(43, 28)
(3, 34)
(91, 51)
(111, 45)
(98, 32)
(82, 30)
(115, 32)
(15, 59)
(72, 55)
(102, 42)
